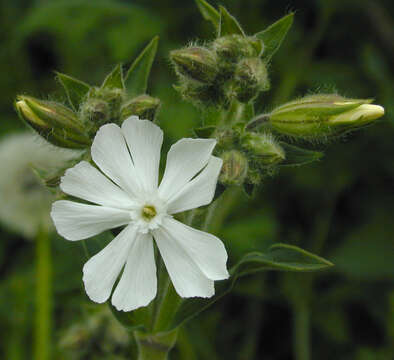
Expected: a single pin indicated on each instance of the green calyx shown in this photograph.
(143, 106)
(195, 63)
(264, 148)
(234, 168)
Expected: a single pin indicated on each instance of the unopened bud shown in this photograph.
(231, 48)
(234, 169)
(143, 106)
(264, 147)
(320, 116)
(251, 77)
(95, 111)
(196, 63)
(54, 122)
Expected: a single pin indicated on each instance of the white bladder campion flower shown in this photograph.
(126, 192)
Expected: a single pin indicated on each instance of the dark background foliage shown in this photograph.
(340, 207)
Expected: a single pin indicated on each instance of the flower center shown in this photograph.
(148, 212)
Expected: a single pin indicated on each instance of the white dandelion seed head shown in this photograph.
(24, 202)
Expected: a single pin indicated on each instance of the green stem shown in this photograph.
(154, 347)
(43, 313)
(301, 329)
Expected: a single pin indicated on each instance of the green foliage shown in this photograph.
(274, 35)
(136, 80)
(280, 257)
(228, 24)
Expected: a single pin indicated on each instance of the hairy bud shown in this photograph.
(320, 116)
(195, 63)
(144, 106)
(251, 77)
(95, 111)
(234, 169)
(264, 147)
(231, 48)
(56, 123)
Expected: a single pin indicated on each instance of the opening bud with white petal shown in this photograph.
(234, 169)
(53, 121)
(322, 116)
(264, 147)
(195, 63)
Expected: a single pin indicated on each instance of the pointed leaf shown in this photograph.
(273, 36)
(228, 24)
(296, 156)
(209, 13)
(280, 257)
(114, 79)
(76, 90)
(136, 80)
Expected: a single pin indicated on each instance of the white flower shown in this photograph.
(130, 195)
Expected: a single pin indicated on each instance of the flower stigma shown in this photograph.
(148, 212)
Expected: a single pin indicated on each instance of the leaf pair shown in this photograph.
(135, 81)
(226, 24)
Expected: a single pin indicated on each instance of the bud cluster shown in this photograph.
(75, 128)
(247, 156)
(229, 68)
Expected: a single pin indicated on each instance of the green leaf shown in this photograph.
(204, 132)
(114, 79)
(280, 257)
(273, 36)
(296, 156)
(209, 13)
(75, 89)
(228, 24)
(136, 80)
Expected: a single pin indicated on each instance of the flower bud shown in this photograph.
(144, 106)
(264, 147)
(54, 122)
(195, 63)
(251, 77)
(95, 111)
(231, 48)
(320, 116)
(234, 169)
(112, 96)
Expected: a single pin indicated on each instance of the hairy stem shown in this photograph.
(43, 313)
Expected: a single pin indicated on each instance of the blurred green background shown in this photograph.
(341, 207)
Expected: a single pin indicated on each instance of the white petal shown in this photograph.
(110, 153)
(199, 191)
(206, 250)
(101, 271)
(144, 140)
(138, 284)
(187, 278)
(184, 160)
(75, 221)
(86, 182)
